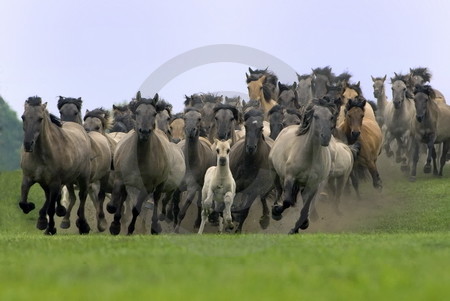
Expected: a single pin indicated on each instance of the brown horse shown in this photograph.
(422, 76)
(262, 86)
(352, 91)
(142, 160)
(177, 127)
(359, 127)
(54, 155)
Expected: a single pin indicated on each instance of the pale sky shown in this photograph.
(103, 51)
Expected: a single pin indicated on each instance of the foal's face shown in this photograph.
(92, 124)
(70, 112)
(223, 151)
(32, 125)
(323, 124)
(253, 132)
(255, 89)
(145, 120)
(354, 118)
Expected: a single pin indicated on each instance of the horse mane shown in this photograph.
(423, 72)
(229, 100)
(324, 71)
(285, 87)
(309, 112)
(101, 114)
(253, 113)
(373, 104)
(256, 74)
(233, 109)
(303, 76)
(55, 120)
(211, 98)
(357, 102)
(177, 116)
(162, 105)
(189, 109)
(403, 77)
(69, 100)
(427, 89)
(34, 101)
(291, 111)
(343, 77)
(134, 104)
(275, 109)
(195, 98)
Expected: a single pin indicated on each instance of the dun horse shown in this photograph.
(301, 158)
(54, 155)
(262, 86)
(379, 92)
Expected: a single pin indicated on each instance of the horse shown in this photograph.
(209, 101)
(304, 89)
(422, 76)
(177, 127)
(249, 163)
(288, 97)
(71, 108)
(163, 117)
(399, 120)
(321, 77)
(143, 159)
(431, 127)
(291, 117)
(225, 121)
(351, 91)
(53, 155)
(276, 117)
(102, 148)
(262, 86)
(123, 119)
(199, 156)
(219, 189)
(358, 127)
(193, 101)
(236, 101)
(301, 159)
(379, 92)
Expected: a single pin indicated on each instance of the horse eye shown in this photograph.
(199, 119)
(228, 151)
(217, 150)
(76, 113)
(231, 119)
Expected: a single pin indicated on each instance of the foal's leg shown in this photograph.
(206, 209)
(228, 201)
(24, 190)
(82, 224)
(65, 223)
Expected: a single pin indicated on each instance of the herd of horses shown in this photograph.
(287, 143)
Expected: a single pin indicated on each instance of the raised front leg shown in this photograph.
(24, 190)
(290, 194)
(206, 210)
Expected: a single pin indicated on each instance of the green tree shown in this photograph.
(10, 138)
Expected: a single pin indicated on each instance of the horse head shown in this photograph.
(225, 117)
(32, 119)
(253, 130)
(223, 151)
(321, 76)
(163, 117)
(304, 88)
(276, 116)
(422, 95)
(70, 109)
(144, 110)
(97, 120)
(354, 114)
(378, 86)
(192, 122)
(288, 95)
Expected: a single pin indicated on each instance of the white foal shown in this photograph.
(219, 188)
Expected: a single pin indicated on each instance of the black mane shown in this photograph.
(69, 100)
(34, 101)
(356, 87)
(233, 109)
(403, 77)
(324, 71)
(275, 109)
(55, 120)
(100, 113)
(427, 89)
(162, 105)
(357, 102)
(253, 113)
(422, 72)
(309, 112)
(211, 98)
(343, 77)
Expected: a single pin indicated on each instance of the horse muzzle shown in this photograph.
(222, 161)
(250, 149)
(397, 104)
(355, 135)
(419, 118)
(143, 135)
(28, 146)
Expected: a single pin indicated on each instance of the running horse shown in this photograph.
(262, 86)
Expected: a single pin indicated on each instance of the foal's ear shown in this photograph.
(229, 141)
(216, 140)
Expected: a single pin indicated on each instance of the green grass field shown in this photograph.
(401, 254)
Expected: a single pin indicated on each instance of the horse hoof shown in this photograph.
(111, 208)
(65, 224)
(229, 227)
(130, 229)
(83, 226)
(176, 229)
(27, 207)
(412, 178)
(101, 225)
(213, 219)
(156, 229)
(114, 229)
(293, 231)
(264, 222)
(61, 210)
(427, 169)
(42, 223)
(305, 224)
(50, 231)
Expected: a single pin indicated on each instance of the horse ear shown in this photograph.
(410, 70)
(79, 98)
(298, 76)
(44, 105)
(61, 97)
(294, 85)
(216, 140)
(384, 78)
(229, 141)
(138, 96)
(358, 84)
(262, 78)
(373, 78)
(396, 75)
(246, 75)
(114, 107)
(250, 70)
(87, 111)
(156, 98)
(280, 85)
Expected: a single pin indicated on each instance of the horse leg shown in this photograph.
(445, 148)
(387, 145)
(249, 199)
(431, 150)
(42, 222)
(82, 224)
(289, 195)
(434, 156)
(376, 180)
(415, 159)
(206, 209)
(355, 184)
(60, 209)
(398, 152)
(212, 217)
(118, 197)
(65, 223)
(101, 220)
(137, 210)
(156, 226)
(337, 192)
(176, 206)
(228, 200)
(24, 190)
(54, 193)
(182, 213)
(303, 220)
(264, 220)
